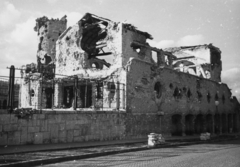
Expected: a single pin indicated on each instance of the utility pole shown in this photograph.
(10, 102)
(75, 92)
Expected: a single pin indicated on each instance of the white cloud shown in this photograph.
(161, 44)
(9, 14)
(165, 44)
(52, 1)
(72, 17)
(24, 34)
(231, 77)
(190, 40)
(20, 46)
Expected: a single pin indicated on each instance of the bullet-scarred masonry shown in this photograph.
(100, 80)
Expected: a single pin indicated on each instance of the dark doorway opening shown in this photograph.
(230, 123)
(198, 126)
(224, 123)
(176, 125)
(189, 124)
(235, 122)
(217, 123)
(68, 96)
(49, 95)
(86, 95)
(209, 123)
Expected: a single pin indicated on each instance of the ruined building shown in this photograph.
(98, 67)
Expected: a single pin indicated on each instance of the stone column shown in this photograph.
(94, 94)
(117, 96)
(122, 96)
(39, 96)
(58, 95)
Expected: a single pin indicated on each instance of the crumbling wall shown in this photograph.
(79, 46)
(129, 35)
(48, 32)
(33, 92)
(110, 95)
(201, 60)
(164, 92)
(92, 49)
(179, 92)
(30, 92)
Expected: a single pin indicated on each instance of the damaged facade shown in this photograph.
(100, 66)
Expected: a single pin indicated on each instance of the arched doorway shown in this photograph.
(49, 95)
(230, 123)
(4, 105)
(198, 124)
(176, 125)
(189, 126)
(235, 122)
(224, 123)
(217, 123)
(209, 123)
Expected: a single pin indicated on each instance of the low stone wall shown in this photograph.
(75, 126)
(61, 127)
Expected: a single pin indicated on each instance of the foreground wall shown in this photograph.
(70, 126)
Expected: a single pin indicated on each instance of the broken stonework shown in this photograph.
(98, 66)
(48, 32)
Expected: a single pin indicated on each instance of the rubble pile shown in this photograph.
(155, 139)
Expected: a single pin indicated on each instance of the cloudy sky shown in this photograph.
(171, 23)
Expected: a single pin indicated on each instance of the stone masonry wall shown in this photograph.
(173, 90)
(63, 127)
(177, 93)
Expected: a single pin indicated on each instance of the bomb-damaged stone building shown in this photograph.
(108, 70)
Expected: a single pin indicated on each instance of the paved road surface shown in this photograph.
(225, 154)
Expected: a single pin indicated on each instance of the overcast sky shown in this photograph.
(170, 22)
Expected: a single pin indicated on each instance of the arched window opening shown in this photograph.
(32, 93)
(216, 97)
(223, 99)
(158, 89)
(177, 93)
(154, 56)
(198, 84)
(136, 48)
(184, 89)
(208, 97)
(199, 95)
(189, 94)
(170, 85)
